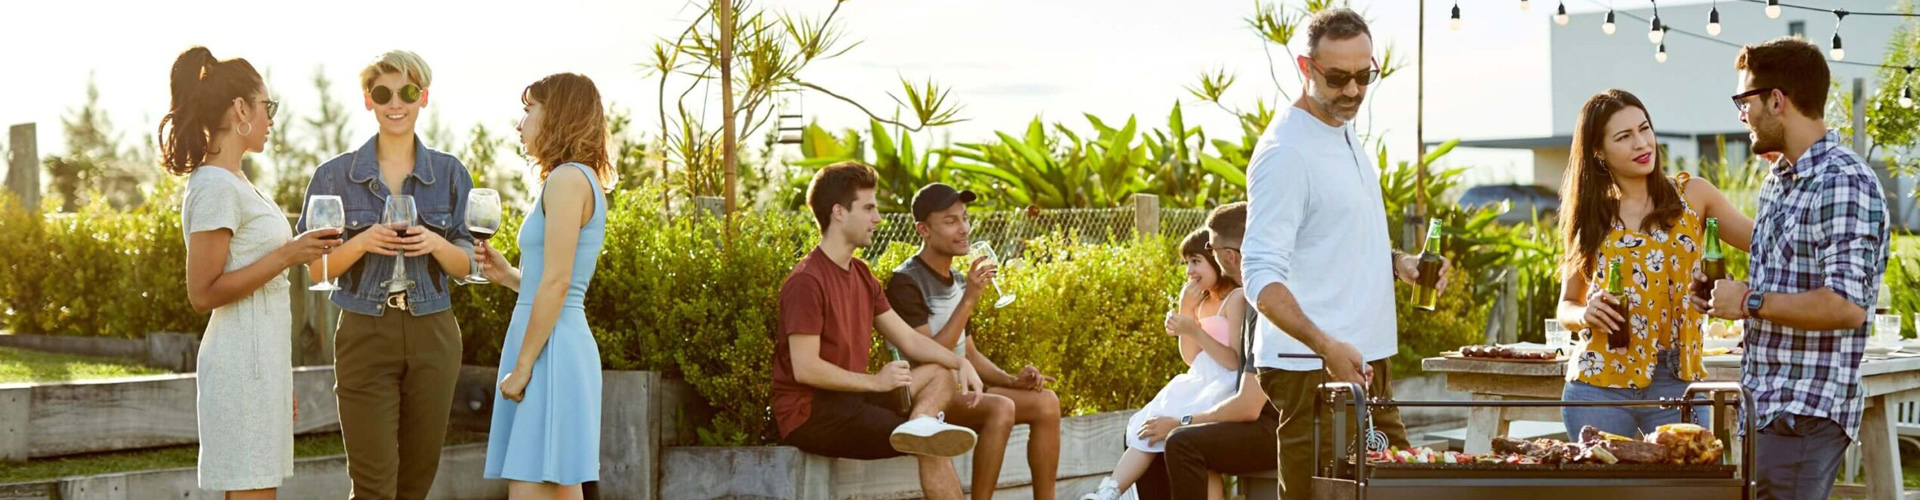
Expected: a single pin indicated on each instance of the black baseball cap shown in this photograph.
(936, 197)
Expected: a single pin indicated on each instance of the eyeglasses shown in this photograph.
(1338, 80)
(382, 95)
(273, 106)
(1740, 100)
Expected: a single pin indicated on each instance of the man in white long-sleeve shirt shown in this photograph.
(1318, 263)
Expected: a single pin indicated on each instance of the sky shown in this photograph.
(1007, 61)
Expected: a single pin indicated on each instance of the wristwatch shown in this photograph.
(1754, 300)
(1186, 420)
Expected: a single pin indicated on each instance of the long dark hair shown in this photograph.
(1589, 189)
(203, 88)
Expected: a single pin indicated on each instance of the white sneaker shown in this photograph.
(929, 436)
(1109, 490)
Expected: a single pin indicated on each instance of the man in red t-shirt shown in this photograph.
(824, 401)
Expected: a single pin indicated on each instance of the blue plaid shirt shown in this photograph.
(1822, 224)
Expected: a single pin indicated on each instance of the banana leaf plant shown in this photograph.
(902, 168)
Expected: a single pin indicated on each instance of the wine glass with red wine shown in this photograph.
(325, 211)
(399, 216)
(483, 219)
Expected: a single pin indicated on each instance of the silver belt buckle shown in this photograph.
(397, 301)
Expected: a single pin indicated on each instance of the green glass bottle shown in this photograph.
(1426, 296)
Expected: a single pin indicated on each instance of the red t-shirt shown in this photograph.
(836, 304)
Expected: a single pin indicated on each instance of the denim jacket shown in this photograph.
(439, 186)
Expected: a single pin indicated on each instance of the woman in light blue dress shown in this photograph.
(545, 439)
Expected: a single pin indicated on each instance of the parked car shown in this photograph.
(1527, 199)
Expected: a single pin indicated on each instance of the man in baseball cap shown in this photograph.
(938, 303)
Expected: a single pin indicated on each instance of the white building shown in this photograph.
(1687, 95)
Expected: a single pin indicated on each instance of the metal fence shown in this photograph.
(1009, 231)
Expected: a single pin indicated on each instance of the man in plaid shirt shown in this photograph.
(1819, 248)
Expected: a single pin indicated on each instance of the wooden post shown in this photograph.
(1510, 296)
(1420, 119)
(23, 178)
(709, 205)
(729, 141)
(16, 424)
(1146, 214)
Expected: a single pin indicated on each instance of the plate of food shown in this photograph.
(1516, 353)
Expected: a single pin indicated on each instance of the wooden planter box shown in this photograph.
(91, 416)
(315, 478)
(641, 413)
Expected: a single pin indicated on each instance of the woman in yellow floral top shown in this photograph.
(1618, 205)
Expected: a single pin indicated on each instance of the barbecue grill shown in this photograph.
(1348, 476)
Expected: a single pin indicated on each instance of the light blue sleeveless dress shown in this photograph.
(553, 434)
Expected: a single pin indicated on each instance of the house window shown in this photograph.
(1797, 29)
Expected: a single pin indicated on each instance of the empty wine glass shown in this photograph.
(326, 212)
(985, 249)
(399, 216)
(483, 219)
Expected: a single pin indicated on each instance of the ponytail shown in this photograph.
(202, 88)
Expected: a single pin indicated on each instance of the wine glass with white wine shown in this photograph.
(985, 249)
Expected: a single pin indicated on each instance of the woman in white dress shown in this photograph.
(239, 246)
(1207, 324)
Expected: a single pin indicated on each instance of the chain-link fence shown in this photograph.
(1009, 231)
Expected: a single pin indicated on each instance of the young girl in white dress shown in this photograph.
(1206, 324)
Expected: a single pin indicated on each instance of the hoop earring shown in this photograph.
(249, 130)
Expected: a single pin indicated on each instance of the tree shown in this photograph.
(95, 164)
(768, 54)
(306, 143)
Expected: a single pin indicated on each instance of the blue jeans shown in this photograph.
(1627, 421)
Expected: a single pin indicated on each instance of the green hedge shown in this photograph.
(97, 272)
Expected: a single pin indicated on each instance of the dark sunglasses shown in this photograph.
(1338, 80)
(1740, 100)
(273, 107)
(382, 95)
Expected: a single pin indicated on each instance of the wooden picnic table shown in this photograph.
(1887, 380)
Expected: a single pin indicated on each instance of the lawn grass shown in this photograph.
(174, 457)
(20, 365)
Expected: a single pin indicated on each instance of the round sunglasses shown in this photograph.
(382, 95)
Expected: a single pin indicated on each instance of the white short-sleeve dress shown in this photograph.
(245, 365)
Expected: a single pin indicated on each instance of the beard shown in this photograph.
(1769, 136)
(1340, 106)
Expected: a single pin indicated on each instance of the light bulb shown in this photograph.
(1560, 16)
(1839, 52)
(1906, 97)
(1661, 55)
(1654, 34)
(1607, 27)
(1713, 22)
(1454, 24)
(1525, 5)
(1773, 9)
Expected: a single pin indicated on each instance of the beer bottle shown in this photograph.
(1713, 263)
(1426, 296)
(1616, 286)
(904, 394)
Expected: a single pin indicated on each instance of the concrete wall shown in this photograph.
(1089, 447)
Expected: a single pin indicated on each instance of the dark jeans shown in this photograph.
(1799, 457)
(1293, 394)
(1226, 448)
